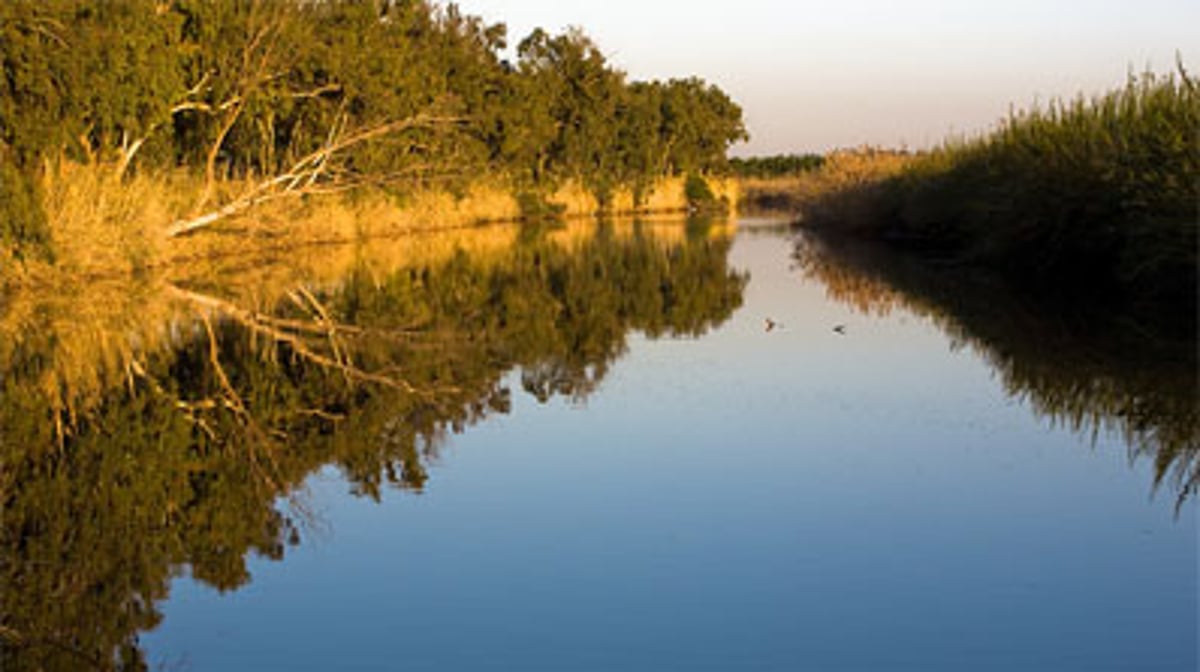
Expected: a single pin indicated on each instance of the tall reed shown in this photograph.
(101, 222)
(1101, 189)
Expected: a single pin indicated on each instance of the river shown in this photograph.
(653, 446)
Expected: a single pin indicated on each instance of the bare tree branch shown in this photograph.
(305, 176)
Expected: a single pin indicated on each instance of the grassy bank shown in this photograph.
(129, 126)
(98, 223)
(1095, 193)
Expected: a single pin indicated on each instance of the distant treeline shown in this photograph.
(1091, 194)
(782, 165)
(397, 90)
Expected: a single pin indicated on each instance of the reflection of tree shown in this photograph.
(177, 450)
(1091, 368)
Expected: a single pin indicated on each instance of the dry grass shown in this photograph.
(103, 224)
(667, 195)
(844, 171)
(12, 274)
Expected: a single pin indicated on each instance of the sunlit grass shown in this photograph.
(833, 187)
(99, 222)
(103, 223)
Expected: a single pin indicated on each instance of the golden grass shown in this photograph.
(105, 224)
(666, 195)
(100, 222)
(12, 274)
(844, 170)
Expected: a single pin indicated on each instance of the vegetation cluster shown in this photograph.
(1095, 194)
(219, 106)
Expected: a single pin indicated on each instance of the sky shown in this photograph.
(817, 75)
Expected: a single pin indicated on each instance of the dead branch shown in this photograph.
(129, 150)
(210, 161)
(324, 319)
(304, 176)
(322, 414)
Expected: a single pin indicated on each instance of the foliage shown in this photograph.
(22, 220)
(251, 89)
(699, 195)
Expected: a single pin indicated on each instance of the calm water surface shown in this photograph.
(674, 488)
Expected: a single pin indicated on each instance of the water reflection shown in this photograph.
(1092, 366)
(150, 427)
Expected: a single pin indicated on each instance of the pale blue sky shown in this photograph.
(817, 75)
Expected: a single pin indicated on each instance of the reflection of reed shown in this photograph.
(86, 334)
(1091, 369)
(72, 345)
(150, 425)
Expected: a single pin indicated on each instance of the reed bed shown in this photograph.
(842, 174)
(1100, 190)
(103, 223)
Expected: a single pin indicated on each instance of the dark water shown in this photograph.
(583, 449)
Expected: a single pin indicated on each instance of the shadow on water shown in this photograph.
(165, 426)
(1083, 364)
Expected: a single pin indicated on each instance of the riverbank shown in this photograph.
(138, 133)
(100, 224)
(1091, 196)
